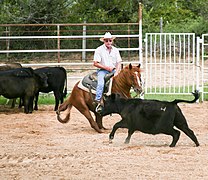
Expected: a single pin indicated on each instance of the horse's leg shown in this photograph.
(79, 99)
(83, 108)
(99, 121)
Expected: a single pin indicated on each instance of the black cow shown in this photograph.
(57, 82)
(149, 116)
(8, 66)
(22, 83)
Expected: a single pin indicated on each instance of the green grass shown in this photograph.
(170, 97)
(160, 94)
(2, 100)
(167, 97)
(48, 99)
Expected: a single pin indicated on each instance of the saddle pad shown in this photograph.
(80, 85)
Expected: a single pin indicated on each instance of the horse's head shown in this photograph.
(134, 75)
(129, 76)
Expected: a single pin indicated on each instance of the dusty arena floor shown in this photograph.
(37, 146)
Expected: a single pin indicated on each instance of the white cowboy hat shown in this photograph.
(107, 36)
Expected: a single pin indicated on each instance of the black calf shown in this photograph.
(57, 82)
(149, 116)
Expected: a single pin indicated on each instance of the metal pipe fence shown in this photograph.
(61, 40)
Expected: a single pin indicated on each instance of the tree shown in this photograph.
(34, 11)
(178, 15)
(105, 11)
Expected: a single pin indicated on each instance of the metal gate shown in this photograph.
(170, 63)
(204, 65)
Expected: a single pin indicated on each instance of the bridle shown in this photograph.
(138, 83)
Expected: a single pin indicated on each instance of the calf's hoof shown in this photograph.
(172, 145)
(197, 144)
(111, 137)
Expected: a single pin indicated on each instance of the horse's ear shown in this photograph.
(139, 65)
(130, 66)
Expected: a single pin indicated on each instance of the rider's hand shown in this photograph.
(110, 69)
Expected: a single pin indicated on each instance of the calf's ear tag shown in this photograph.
(163, 109)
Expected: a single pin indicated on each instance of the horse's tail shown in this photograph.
(196, 97)
(64, 106)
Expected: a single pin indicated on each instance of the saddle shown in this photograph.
(90, 81)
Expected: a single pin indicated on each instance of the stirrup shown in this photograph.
(108, 93)
(99, 108)
(95, 103)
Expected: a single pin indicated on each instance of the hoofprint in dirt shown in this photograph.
(37, 146)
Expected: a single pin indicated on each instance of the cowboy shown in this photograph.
(107, 59)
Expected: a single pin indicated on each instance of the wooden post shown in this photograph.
(129, 44)
(58, 42)
(140, 35)
(140, 42)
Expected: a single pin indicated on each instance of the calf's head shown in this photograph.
(110, 105)
(43, 79)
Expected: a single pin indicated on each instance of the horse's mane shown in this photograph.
(120, 78)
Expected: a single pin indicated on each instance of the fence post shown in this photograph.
(8, 40)
(140, 41)
(128, 43)
(161, 25)
(58, 42)
(197, 61)
(198, 66)
(140, 34)
(84, 42)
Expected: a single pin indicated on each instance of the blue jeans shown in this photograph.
(100, 83)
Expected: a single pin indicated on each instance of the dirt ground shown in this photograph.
(37, 146)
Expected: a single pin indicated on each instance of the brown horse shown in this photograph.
(128, 77)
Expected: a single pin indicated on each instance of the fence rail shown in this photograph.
(80, 42)
(61, 40)
(173, 63)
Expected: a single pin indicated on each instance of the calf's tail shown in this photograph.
(65, 89)
(196, 97)
(65, 92)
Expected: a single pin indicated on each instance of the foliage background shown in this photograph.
(178, 15)
(190, 16)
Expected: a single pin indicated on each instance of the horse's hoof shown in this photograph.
(57, 112)
(105, 128)
(101, 131)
